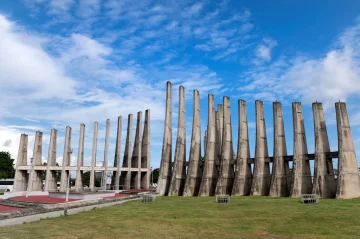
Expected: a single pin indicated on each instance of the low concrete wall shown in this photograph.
(23, 193)
(64, 209)
(82, 196)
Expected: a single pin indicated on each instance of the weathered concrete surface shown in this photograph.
(261, 179)
(280, 184)
(145, 152)
(106, 152)
(348, 183)
(205, 139)
(226, 174)
(125, 176)
(164, 179)
(208, 181)
(219, 121)
(243, 173)
(194, 174)
(136, 155)
(80, 160)
(66, 160)
(21, 177)
(116, 175)
(35, 182)
(324, 183)
(50, 179)
(302, 182)
(93, 157)
(179, 172)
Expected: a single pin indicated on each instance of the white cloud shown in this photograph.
(57, 7)
(263, 51)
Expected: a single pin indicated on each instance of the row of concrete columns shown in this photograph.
(130, 175)
(224, 173)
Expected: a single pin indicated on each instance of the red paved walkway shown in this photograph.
(6, 208)
(42, 199)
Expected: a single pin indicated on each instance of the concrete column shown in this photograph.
(125, 175)
(145, 152)
(136, 155)
(35, 182)
(179, 172)
(219, 119)
(208, 181)
(221, 123)
(243, 173)
(21, 176)
(80, 160)
(262, 179)
(226, 173)
(106, 153)
(66, 160)
(205, 140)
(50, 181)
(93, 157)
(194, 174)
(324, 183)
(348, 182)
(280, 168)
(164, 179)
(302, 182)
(116, 174)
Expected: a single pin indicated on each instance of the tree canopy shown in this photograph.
(6, 165)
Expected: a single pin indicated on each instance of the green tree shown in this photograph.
(154, 175)
(86, 178)
(6, 165)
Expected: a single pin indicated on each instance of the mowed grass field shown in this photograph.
(193, 217)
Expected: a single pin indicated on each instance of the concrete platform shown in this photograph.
(82, 195)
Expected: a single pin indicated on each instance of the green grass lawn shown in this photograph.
(188, 217)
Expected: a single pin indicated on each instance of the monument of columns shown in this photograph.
(222, 173)
(134, 173)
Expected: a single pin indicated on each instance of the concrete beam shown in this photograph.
(125, 176)
(21, 177)
(136, 155)
(93, 157)
(348, 183)
(179, 172)
(208, 181)
(194, 174)
(243, 173)
(35, 182)
(226, 173)
(80, 160)
(301, 180)
(324, 183)
(50, 180)
(164, 179)
(262, 178)
(145, 152)
(66, 160)
(280, 180)
(106, 153)
(116, 174)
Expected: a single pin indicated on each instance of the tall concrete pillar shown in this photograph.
(106, 154)
(21, 176)
(50, 181)
(164, 179)
(348, 183)
(302, 182)
(219, 121)
(179, 172)
(116, 174)
(262, 178)
(125, 175)
(145, 152)
(136, 155)
(243, 173)
(280, 169)
(93, 157)
(80, 160)
(226, 173)
(194, 174)
(324, 183)
(208, 181)
(35, 182)
(205, 140)
(65, 174)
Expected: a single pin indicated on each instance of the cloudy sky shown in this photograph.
(66, 62)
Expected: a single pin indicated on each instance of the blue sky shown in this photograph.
(66, 62)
